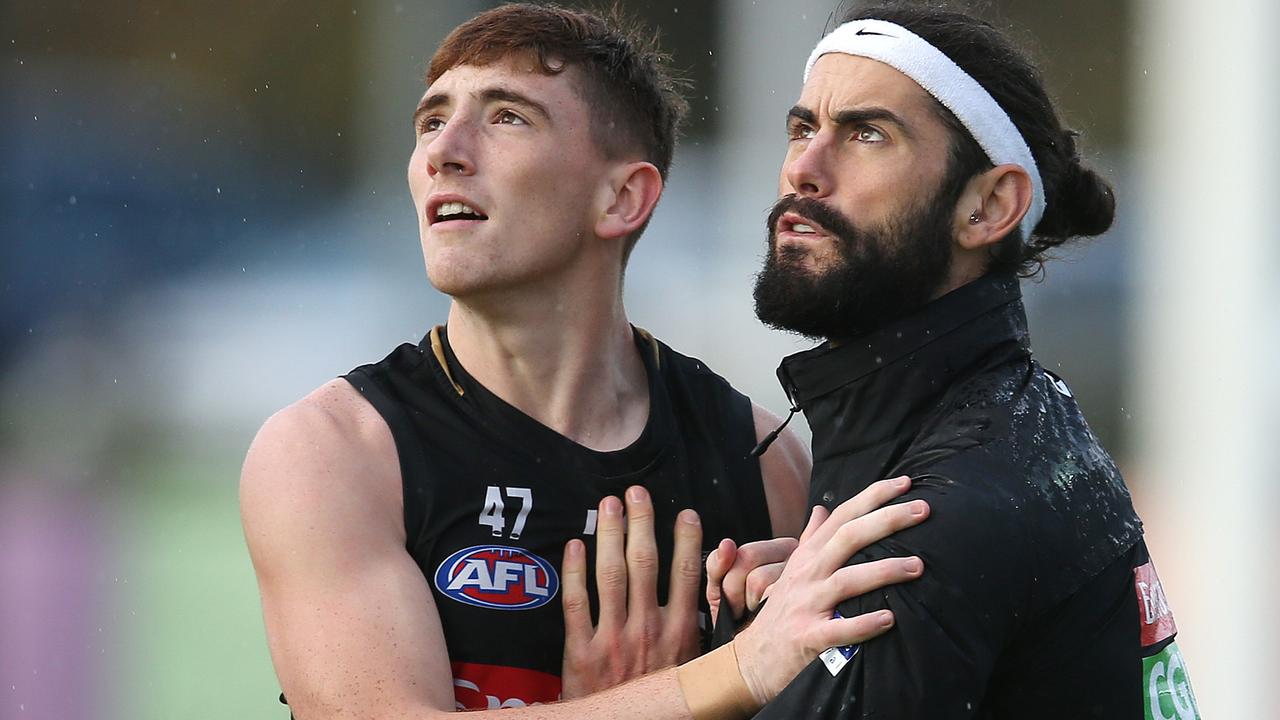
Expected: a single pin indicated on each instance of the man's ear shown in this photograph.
(991, 206)
(627, 200)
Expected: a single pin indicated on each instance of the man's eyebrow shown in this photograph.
(853, 116)
(501, 94)
(429, 102)
(488, 95)
(858, 116)
(803, 114)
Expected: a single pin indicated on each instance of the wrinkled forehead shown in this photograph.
(839, 81)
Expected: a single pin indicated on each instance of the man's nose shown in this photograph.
(808, 170)
(452, 150)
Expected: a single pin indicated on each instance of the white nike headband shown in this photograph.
(938, 74)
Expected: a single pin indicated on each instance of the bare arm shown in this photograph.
(352, 625)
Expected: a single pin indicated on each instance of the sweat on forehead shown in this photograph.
(932, 70)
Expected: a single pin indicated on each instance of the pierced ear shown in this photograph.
(991, 206)
(629, 198)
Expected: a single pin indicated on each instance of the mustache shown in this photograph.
(832, 220)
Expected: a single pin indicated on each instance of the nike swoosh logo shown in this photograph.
(864, 31)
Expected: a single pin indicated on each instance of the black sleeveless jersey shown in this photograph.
(491, 496)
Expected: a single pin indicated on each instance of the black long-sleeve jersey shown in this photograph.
(1038, 597)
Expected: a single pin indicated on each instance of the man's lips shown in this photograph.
(796, 227)
(453, 224)
(452, 210)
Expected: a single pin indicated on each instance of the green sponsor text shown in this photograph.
(1166, 688)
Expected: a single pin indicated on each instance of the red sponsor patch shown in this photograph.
(491, 687)
(1153, 607)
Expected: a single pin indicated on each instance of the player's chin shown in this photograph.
(461, 279)
(450, 277)
(454, 287)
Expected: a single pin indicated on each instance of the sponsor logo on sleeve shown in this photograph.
(1166, 689)
(497, 577)
(1153, 607)
(492, 687)
(835, 658)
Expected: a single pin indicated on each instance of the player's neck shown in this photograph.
(569, 362)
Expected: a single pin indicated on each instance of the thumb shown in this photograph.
(718, 564)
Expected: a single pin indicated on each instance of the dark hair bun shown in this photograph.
(1082, 204)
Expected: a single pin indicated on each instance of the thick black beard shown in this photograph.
(881, 274)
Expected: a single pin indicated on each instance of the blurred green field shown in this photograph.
(190, 630)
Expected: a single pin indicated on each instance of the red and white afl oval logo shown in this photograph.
(497, 577)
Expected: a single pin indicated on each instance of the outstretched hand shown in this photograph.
(635, 635)
(798, 621)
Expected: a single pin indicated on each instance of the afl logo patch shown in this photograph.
(497, 577)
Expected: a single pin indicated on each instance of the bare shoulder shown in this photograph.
(784, 468)
(328, 460)
(350, 623)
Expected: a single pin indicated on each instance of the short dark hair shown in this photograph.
(635, 99)
(1078, 201)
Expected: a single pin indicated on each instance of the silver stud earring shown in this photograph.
(975, 217)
